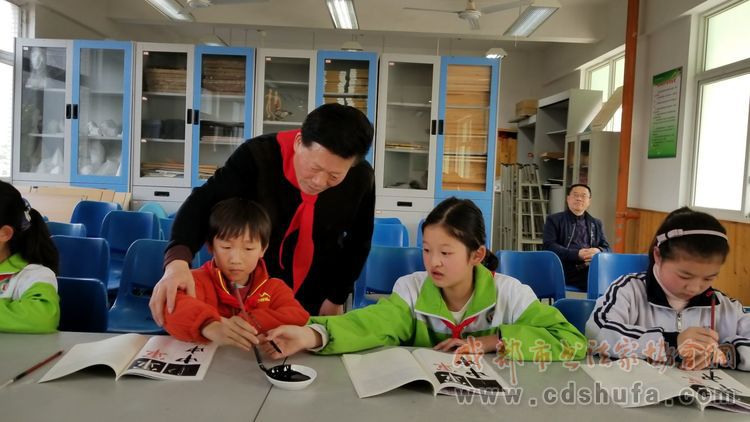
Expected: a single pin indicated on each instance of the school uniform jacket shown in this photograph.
(270, 302)
(28, 297)
(342, 225)
(415, 314)
(634, 313)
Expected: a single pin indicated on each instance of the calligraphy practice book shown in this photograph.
(158, 357)
(639, 383)
(377, 372)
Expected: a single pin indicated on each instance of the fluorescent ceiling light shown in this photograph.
(172, 10)
(342, 13)
(495, 53)
(532, 18)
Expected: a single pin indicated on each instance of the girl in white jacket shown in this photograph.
(665, 314)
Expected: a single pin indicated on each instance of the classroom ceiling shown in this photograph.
(577, 21)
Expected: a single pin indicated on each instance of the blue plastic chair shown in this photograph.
(91, 214)
(142, 270)
(202, 256)
(165, 225)
(66, 229)
(383, 267)
(541, 270)
(121, 229)
(607, 267)
(83, 257)
(419, 233)
(83, 304)
(390, 235)
(388, 220)
(154, 208)
(576, 311)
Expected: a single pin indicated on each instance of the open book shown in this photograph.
(158, 357)
(638, 383)
(381, 371)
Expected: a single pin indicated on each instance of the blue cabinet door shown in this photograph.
(349, 78)
(100, 114)
(222, 115)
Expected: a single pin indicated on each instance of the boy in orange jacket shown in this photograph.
(238, 235)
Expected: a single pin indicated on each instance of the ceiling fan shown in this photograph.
(471, 14)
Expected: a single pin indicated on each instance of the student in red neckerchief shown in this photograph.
(238, 233)
(320, 195)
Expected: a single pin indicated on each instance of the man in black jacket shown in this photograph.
(575, 236)
(320, 194)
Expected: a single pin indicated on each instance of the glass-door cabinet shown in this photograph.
(43, 111)
(222, 106)
(101, 114)
(163, 116)
(467, 131)
(349, 78)
(285, 81)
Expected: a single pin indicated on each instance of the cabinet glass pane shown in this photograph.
(222, 111)
(467, 109)
(346, 82)
(100, 112)
(583, 162)
(163, 108)
(570, 163)
(407, 133)
(41, 147)
(286, 93)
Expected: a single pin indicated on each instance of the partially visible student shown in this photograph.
(664, 314)
(458, 296)
(28, 262)
(238, 235)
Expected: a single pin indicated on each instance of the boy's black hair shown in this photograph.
(463, 220)
(31, 237)
(577, 185)
(704, 246)
(343, 130)
(231, 217)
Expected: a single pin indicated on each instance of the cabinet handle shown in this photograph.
(68, 108)
(161, 193)
(433, 125)
(75, 111)
(189, 116)
(196, 116)
(404, 203)
(440, 126)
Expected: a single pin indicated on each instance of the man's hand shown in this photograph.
(234, 331)
(330, 308)
(587, 253)
(176, 276)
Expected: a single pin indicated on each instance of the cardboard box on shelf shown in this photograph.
(526, 107)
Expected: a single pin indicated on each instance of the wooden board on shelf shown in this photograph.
(165, 80)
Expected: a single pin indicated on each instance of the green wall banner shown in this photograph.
(665, 114)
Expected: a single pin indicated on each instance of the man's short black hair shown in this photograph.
(571, 187)
(343, 130)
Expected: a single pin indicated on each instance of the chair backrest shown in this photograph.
(91, 214)
(607, 267)
(83, 257)
(66, 229)
(541, 270)
(576, 311)
(122, 228)
(383, 267)
(154, 208)
(387, 220)
(165, 224)
(83, 304)
(419, 233)
(390, 235)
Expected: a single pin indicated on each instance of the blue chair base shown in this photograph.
(132, 316)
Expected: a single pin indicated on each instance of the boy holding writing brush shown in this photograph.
(233, 282)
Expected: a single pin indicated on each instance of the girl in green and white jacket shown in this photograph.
(28, 261)
(458, 296)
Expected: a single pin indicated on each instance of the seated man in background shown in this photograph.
(575, 236)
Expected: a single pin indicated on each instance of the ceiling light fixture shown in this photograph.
(342, 14)
(495, 53)
(351, 46)
(172, 10)
(532, 18)
(213, 40)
